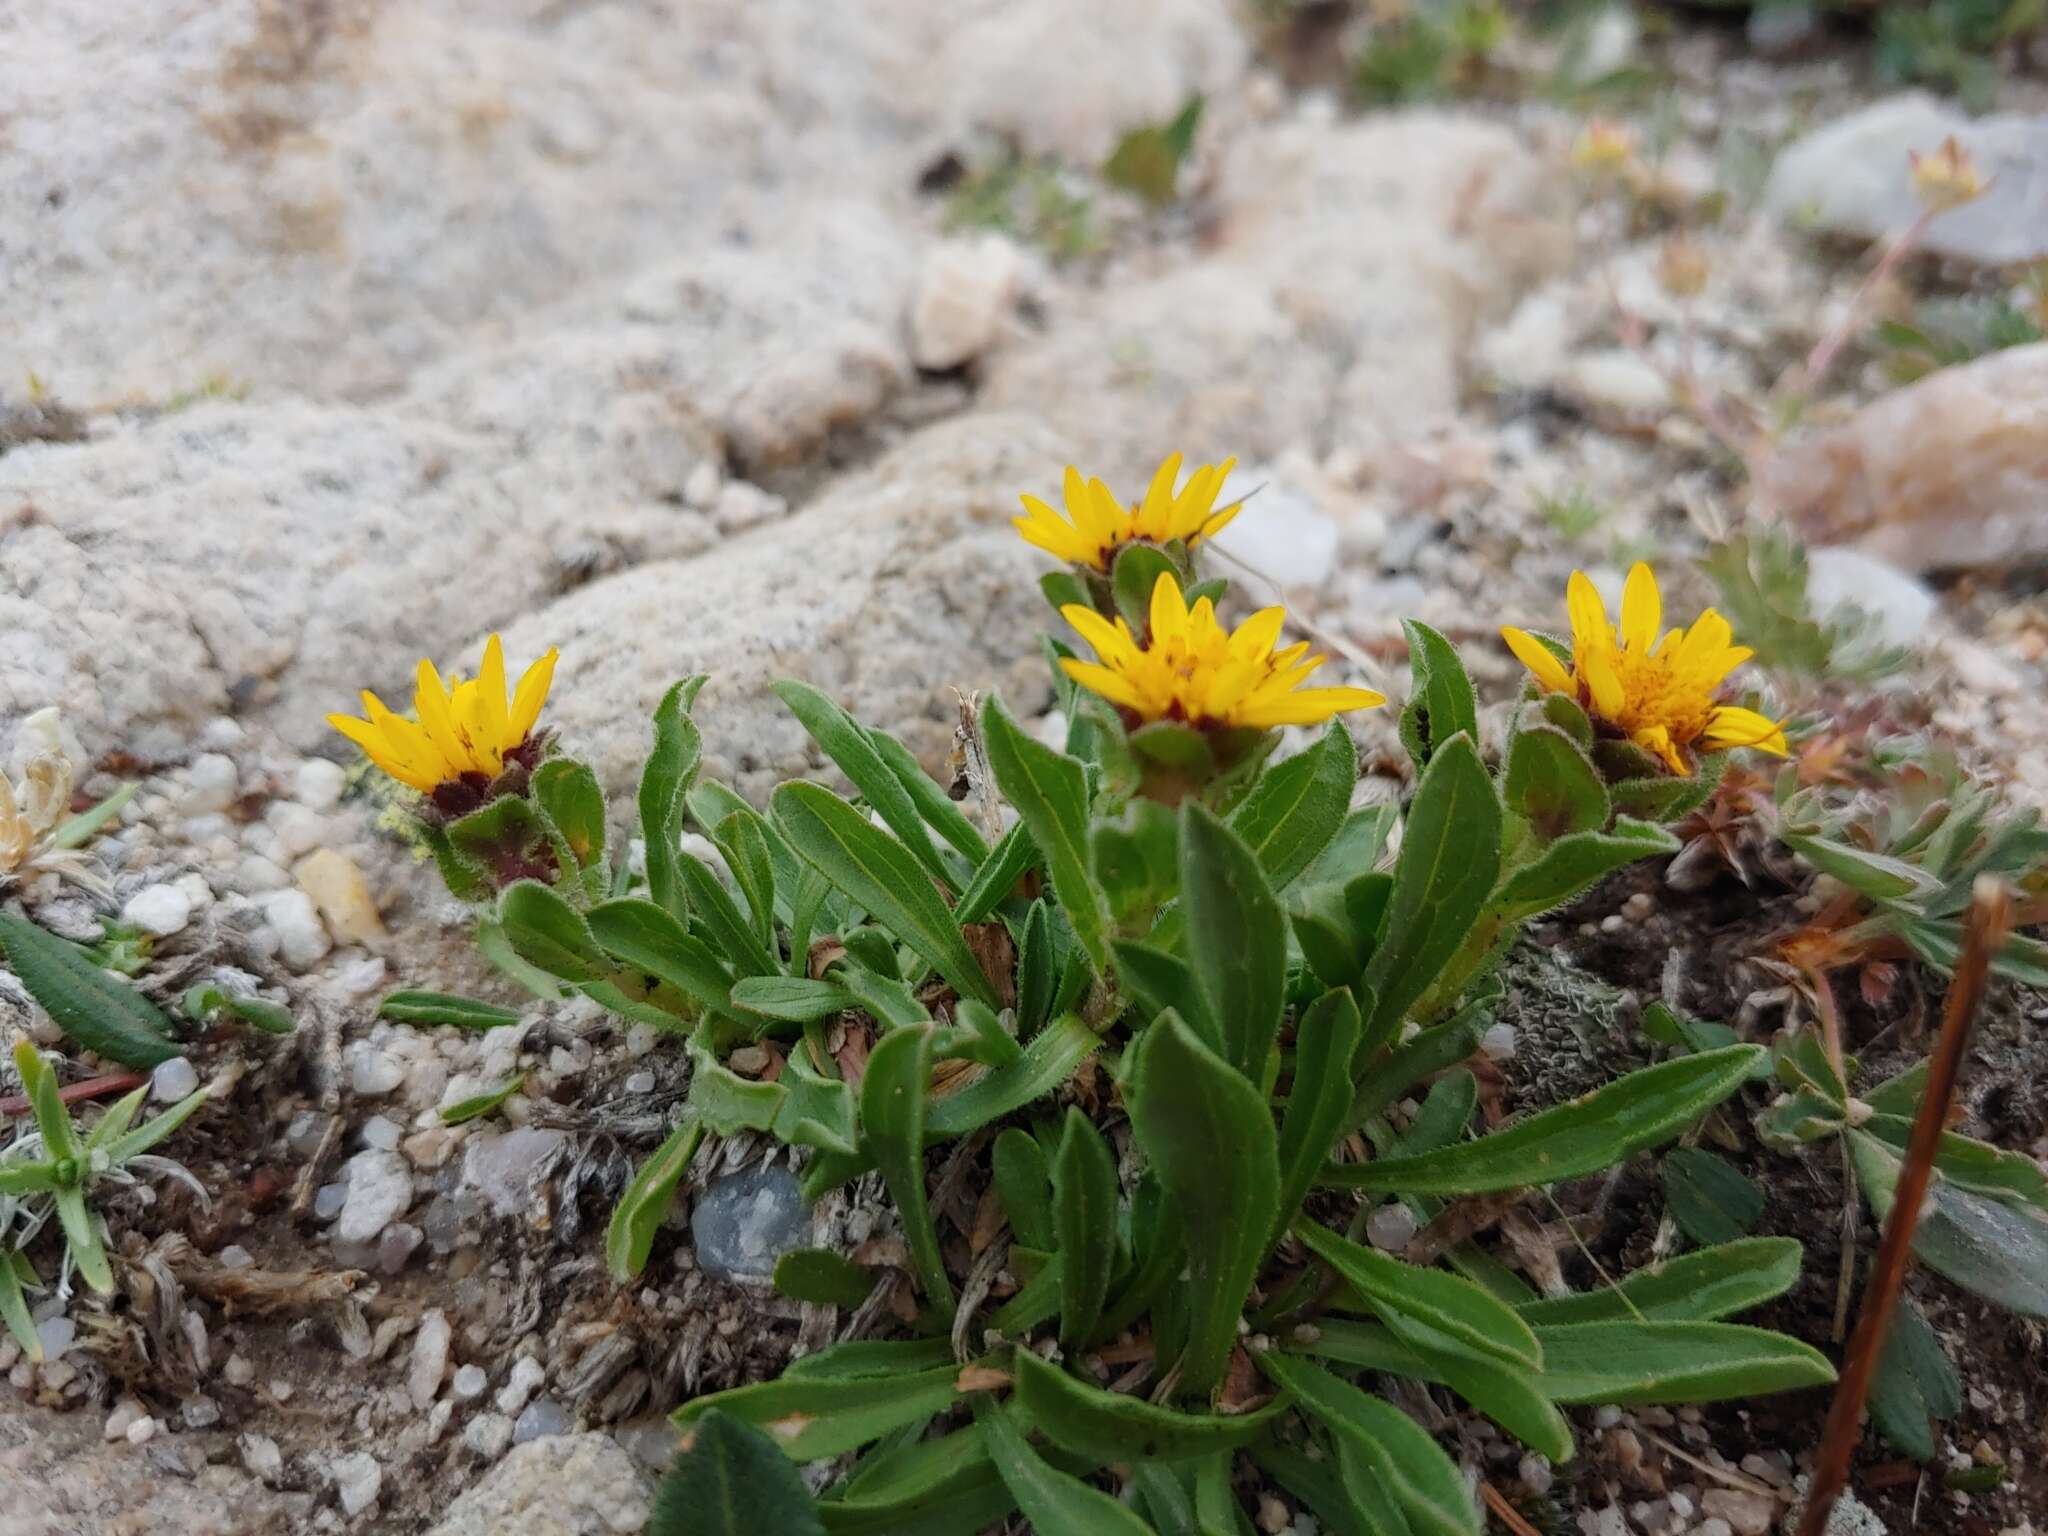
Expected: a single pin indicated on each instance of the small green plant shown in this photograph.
(1147, 160)
(1436, 49)
(1572, 516)
(1031, 198)
(1762, 582)
(1944, 333)
(1953, 44)
(52, 1169)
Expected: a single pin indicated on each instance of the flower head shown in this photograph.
(466, 731)
(1657, 688)
(1947, 178)
(1096, 524)
(1603, 147)
(35, 804)
(1188, 668)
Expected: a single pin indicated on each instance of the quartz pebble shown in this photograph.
(261, 1457)
(382, 1134)
(358, 1479)
(56, 1335)
(489, 1435)
(373, 1073)
(747, 1220)
(429, 1358)
(211, 784)
(173, 1080)
(542, 1416)
(469, 1383)
(341, 895)
(158, 910)
(142, 1431)
(1390, 1227)
(1747, 1514)
(397, 1245)
(126, 1411)
(318, 784)
(527, 1374)
(379, 1190)
(301, 939)
(501, 1165)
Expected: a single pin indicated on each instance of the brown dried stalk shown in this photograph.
(1990, 915)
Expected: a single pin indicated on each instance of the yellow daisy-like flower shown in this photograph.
(1096, 524)
(465, 730)
(1657, 692)
(1188, 668)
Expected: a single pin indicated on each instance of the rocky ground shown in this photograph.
(652, 332)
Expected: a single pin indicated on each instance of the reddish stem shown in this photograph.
(85, 1088)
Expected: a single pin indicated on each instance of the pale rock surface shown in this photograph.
(561, 1485)
(1852, 177)
(341, 895)
(1949, 472)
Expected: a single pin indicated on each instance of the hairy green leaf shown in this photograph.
(1084, 1202)
(91, 1005)
(1050, 791)
(630, 1235)
(1236, 937)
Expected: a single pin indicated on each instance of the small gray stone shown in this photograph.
(488, 1434)
(542, 1416)
(158, 910)
(357, 1481)
(469, 1383)
(379, 1190)
(1390, 1227)
(429, 1358)
(396, 1247)
(501, 1166)
(373, 1073)
(580, 1484)
(173, 1080)
(747, 1220)
(527, 1374)
(261, 1457)
(328, 1200)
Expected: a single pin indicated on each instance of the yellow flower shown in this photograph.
(1947, 178)
(466, 729)
(1657, 692)
(1096, 524)
(1603, 147)
(1190, 669)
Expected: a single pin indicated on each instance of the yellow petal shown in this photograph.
(1655, 739)
(1155, 514)
(1255, 636)
(1588, 613)
(1113, 686)
(490, 680)
(1608, 697)
(1732, 726)
(1111, 644)
(1169, 612)
(1059, 541)
(532, 694)
(1537, 657)
(1642, 610)
(430, 704)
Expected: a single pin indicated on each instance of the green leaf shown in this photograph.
(15, 1274)
(1212, 1146)
(811, 1417)
(206, 1000)
(411, 1007)
(1050, 792)
(1133, 574)
(878, 872)
(1673, 1362)
(1325, 1040)
(1407, 1464)
(1037, 971)
(1581, 1137)
(105, 1015)
(1047, 1061)
(892, 1117)
(478, 1105)
(1552, 785)
(823, 1278)
(1509, 1395)
(794, 998)
(1914, 1386)
(1450, 854)
(1084, 1190)
(871, 1357)
(1157, 981)
(1296, 808)
(1578, 861)
(1353, 850)
(1135, 862)
(547, 932)
(730, 1479)
(665, 787)
(629, 1237)
(1117, 1426)
(652, 942)
(82, 1236)
(850, 746)
(568, 793)
(1429, 1052)
(1711, 1200)
(1970, 1164)
(717, 916)
(1441, 703)
(46, 1103)
(1050, 1499)
(1236, 937)
(997, 875)
(743, 839)
(1023, 1180)
(75, 831)
(933, 803)
(1999, 1251)
(506, 839)
(1875, 875)
(1450, 1305)
(1147, 160)
(1700, 1286)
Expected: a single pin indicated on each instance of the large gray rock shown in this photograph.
(1347, 270)
(896, 586)
(561, 1485)
(1852, 177)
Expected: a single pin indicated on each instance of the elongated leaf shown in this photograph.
(730, 1479)
(1048, 1061)
(1445, 1302)
(878, 872)
(1084, 1190)
(665, 786)
(76, 831)
(1424, 1482)
(1552, 785)
(1325, 1041)
(795, 998)
(15, 1275)
(1711, 1200)
(1050, 791)
(1212, 1146)
(568, 793)
(1431, 1051)
(743, 838)
(810, 1417)
(635, 1219)
(46, 1103)
(477, 1105)
(550, 933)
(1577, 861)
(871, 1357)
(1876, 875)
(1023, 1178)
(1970, 1164)
(647, 938)
(1050, 1499)
(1673, 1362)
(82, 1236)
(1450, 854)
(1318, 1484)
(1584, 1136)
(1157, 981)
(1236, 937)
(997, 875)
(822, 1277)
(91, 1005)
(1701, 1286)
(1117, 1426)
(849, 745)
(1297, 806)
(1997, 1250)
(1914, 1386)
(1441, 703)
(718, 917)
(1037, 971)
(1508, 1394)
(892, 1115)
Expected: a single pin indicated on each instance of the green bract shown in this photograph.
(1250, 984)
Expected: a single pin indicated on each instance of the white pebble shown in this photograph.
(373, 1073)
(357, 1481)
(123, 1418)
(1390, 1227)
(382, 1134)
(56, 1334)
(638, 1082)
(429, 1358)
(211, 784)
(1498, 1042)
(173, 1080)
(640, 1040)
(261, 1457)
(298, 829)
(237, 1372)
(158, 910)
(256, 873)
(302, 938)
(469, 1383)
(488, 1434)
(318, 784)
(142, 1431)
(527, 1375)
